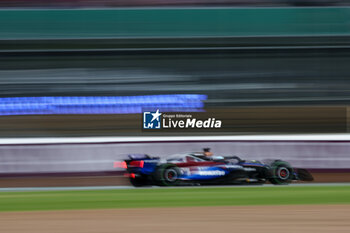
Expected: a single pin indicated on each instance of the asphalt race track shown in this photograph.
(120, 181)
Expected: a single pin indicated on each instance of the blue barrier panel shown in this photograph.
(100, 104)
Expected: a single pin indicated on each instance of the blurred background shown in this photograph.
(261, 66)
(88, 68)
(156, 3)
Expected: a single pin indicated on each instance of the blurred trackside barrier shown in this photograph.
(167, 22)
(327, 152)
(238, 120)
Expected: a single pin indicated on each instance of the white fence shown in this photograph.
(97, 154)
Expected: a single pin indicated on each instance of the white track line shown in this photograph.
(157, 187)
(289, 137)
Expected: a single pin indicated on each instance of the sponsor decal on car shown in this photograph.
(249, 169)
(211, 173)
(232, 166)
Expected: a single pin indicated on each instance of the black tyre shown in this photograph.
(281, 173)
(167, 175)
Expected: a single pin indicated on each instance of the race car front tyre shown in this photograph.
(281, 173)
(167, 175)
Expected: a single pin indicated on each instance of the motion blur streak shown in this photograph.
(76, 75)
(263, 70)
(98, 104)
(128, 3)
(71, 72)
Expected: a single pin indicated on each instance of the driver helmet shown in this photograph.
(207, 152)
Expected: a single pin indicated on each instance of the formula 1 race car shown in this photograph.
(197, 169)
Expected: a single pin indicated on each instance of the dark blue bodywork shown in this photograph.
(192, 168)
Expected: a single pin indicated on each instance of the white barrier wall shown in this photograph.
(98, 154)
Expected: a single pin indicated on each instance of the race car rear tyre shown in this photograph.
(167, 175)
(281, 173)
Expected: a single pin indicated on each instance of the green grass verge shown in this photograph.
(134, 198)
